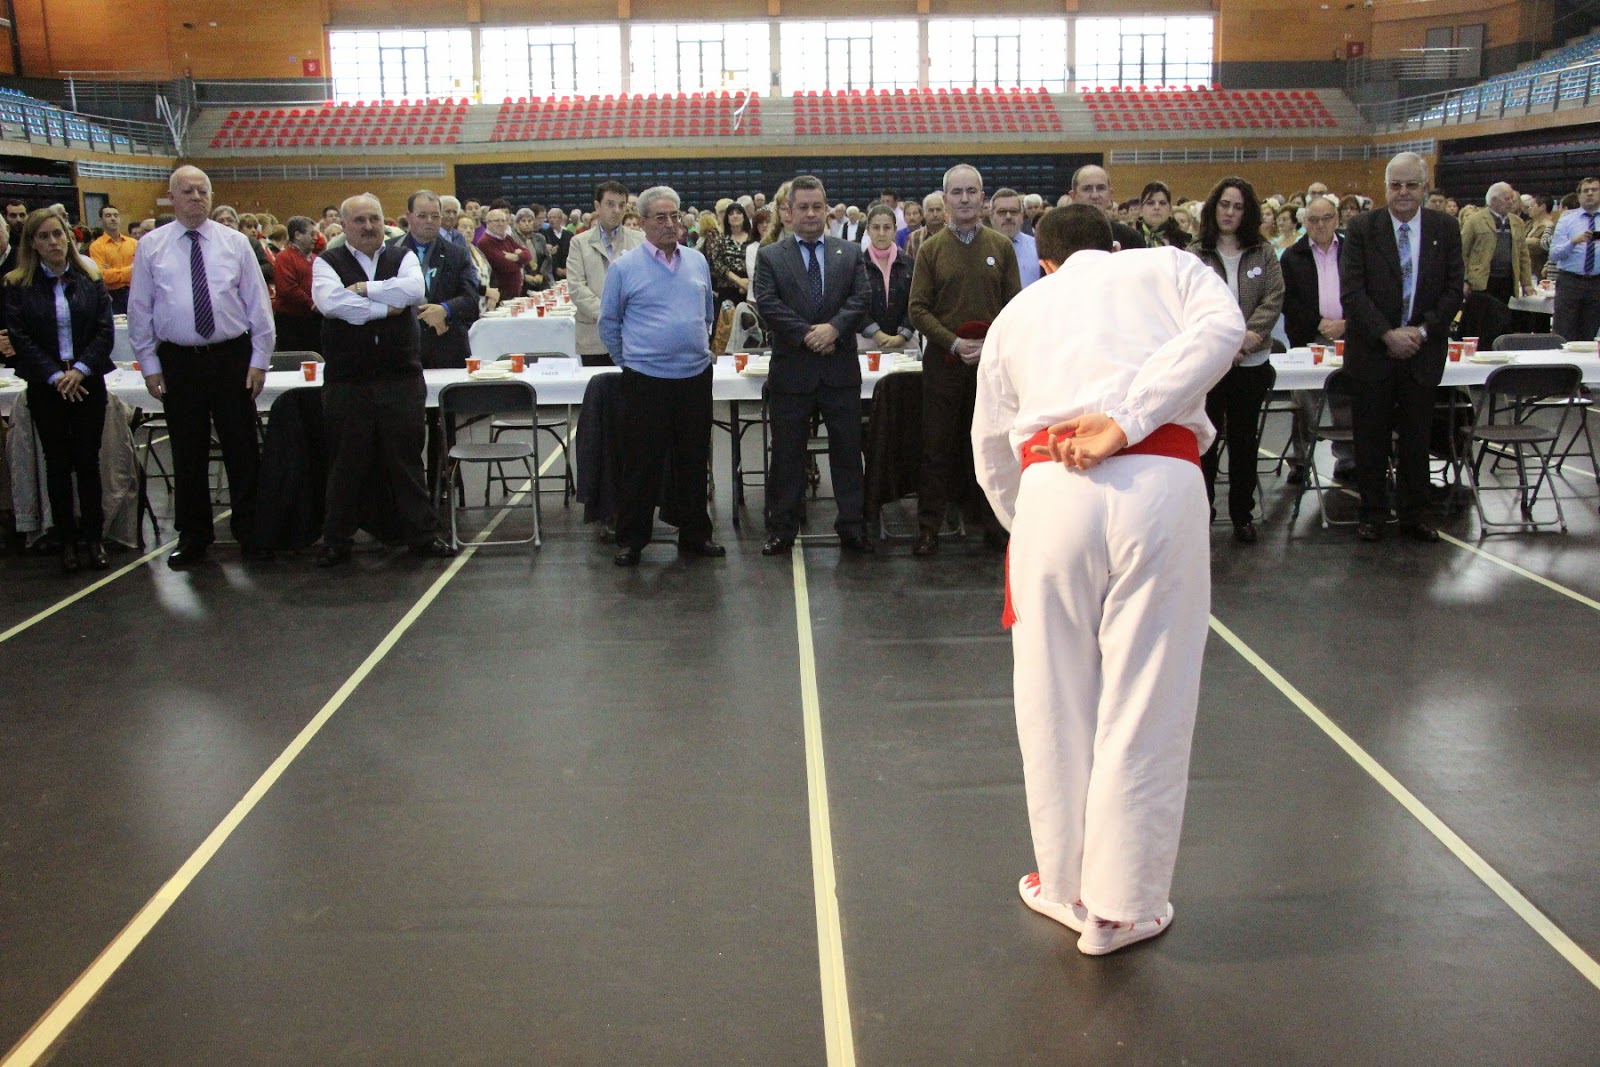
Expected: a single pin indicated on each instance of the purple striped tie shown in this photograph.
(205, 322)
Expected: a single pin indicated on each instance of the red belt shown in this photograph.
(1168, 439)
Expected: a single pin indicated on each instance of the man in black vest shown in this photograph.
(374, 398)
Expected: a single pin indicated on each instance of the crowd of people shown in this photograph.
(826, 280)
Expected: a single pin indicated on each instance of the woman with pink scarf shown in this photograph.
(888, 327)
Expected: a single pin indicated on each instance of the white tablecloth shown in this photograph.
(527, 332)
(1292, 375)
(1539, 305)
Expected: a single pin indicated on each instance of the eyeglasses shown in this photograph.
(662, 220)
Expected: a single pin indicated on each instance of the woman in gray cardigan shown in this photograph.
(1231, 245)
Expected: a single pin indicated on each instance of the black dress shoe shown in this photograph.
(438, 548)
(777, 546)
(1296, 476)
(927, 544)
(97, 556)
(1245, 533)
(333, 555)
(186, 555)
(996, 540)
(69, 559)
(1417, 531)
(628, 557)
(854, 542)
(707, 549)
(1369, 531)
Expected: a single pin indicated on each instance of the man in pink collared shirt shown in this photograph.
(1312, 314)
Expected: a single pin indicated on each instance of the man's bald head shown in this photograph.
(190, 190)
(1092, 185)
(362, 215)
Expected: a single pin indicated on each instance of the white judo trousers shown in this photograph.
(1109, 568)
(1111, 582)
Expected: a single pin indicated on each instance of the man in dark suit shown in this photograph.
(451, 289)
(812, 294)
(1400, 278)
(451, 286)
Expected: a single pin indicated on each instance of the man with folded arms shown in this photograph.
(964, 274)
(374, 397)
(200, 323)
(655, 320)
(1087, 435)
(112, 252)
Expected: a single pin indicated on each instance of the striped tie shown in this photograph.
(814, 272)
(1408, 278)
(205, 322)
(1588, 249)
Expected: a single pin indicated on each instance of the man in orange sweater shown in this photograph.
(112, 252)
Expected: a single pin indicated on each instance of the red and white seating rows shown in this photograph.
(713, 114)
(332, 125)
(913, 111)
(1146, 110)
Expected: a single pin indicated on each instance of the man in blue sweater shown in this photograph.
(655, 319)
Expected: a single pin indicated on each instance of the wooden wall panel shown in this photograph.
(32, 39)
(106, 35)
(263, 40)
(1282, 30)
(135, 199)
(1398, 26)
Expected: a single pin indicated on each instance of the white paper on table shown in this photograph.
(1296, 357)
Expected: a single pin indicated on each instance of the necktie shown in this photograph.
(1408, 277)
(1588, 249)
(814, 272)
(611, 252)
(205, 322)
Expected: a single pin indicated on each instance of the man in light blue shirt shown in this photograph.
(1005, 209)
(1575, 252)
(655, 319)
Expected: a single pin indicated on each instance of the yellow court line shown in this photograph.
(39, 1039)
(92, 586)
(836, 1025)
(1541, 924)
(1587, 602)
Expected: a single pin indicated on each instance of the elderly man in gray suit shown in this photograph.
(812, 293)
(588, 256)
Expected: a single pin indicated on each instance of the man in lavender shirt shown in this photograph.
(1313, 314)
(200, 322)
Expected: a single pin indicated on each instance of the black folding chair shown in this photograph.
(513, 398)
(1503, 421)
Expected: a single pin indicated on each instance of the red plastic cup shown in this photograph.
(540, 310)
(309, 369)
(873, 360)
(1471, 346)
(1455, 350)
(1317, 352)
(473, 363)
(517, 365)
(741, 360)
(1338, 348)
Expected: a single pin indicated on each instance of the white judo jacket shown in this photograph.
(1141, 335)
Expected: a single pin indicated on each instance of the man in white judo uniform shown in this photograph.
(1087, 436)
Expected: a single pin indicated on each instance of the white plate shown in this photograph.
(492, 373)
(1490, 358)
(1581, 346)
(10, 383)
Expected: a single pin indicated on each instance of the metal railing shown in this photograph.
(48, 125)
(1511, 95)
(1416, 64)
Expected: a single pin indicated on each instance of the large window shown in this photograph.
(400, 64)
(1142, 51)
(695, 57)
(849, 55)
(523, 61)
(997, 53)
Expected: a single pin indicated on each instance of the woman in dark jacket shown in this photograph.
(1231, 244)
(59, 316)
(730, 272)
(888, 327)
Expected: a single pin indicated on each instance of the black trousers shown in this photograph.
(1234, 408)
(1577, 311)
(1488, 315)
(790, 416)
(298, 333)
(1394, 408)
(376, 429)
(664, 418)
(119, 300)
(206, 387)
(949, 390)
(69, 433)
(601, 359)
